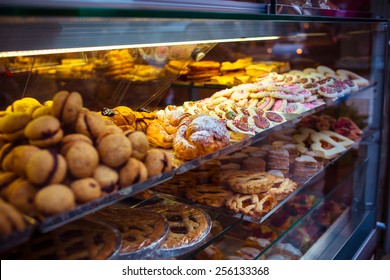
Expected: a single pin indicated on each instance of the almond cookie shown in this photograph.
(82, 159)
(54, 199)
(46, 167)
(251, 182)
(86, 189)
(107, 178)
(114, 149)
(20, 193)
(133, 172)
(157, 161)
(66, 106)
(12, 126)
(44, 131)
(256, 205)
(213, 195)
(139, 143)
(90, 124)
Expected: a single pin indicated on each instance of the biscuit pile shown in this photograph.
(60, 154)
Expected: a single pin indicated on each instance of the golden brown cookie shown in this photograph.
(54, 199)
(20, 156)
(66, 106)
(157, 161)
(139, 143)
(11, 220)
(132, 172)
(70, 139)
(82, 159)
(114, 149)
(12, 126)
(86, 189)
(20, 193)
(107, 178)
(90, 124)
(46, 167)
(44, 131)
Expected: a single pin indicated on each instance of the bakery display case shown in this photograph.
(238, 130)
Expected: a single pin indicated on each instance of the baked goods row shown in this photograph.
(59, 155)
(157, 231)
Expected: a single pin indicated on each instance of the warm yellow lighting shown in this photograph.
(299, 51)
(306, 25)
(269, 50)
(106, 48)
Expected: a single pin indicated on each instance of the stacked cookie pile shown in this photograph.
(58, 155)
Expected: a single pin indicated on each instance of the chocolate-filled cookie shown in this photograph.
(86, 189)
(107, 178)
(12, 126)
(157, 161)
(114, 149)
(70, 139)
(133, 172)
(21, 193)
(82, 159)
(46, 167)
(90, 124)
(20, 157)
(54, 199)
(44, 131)
(66, 106)
(139, 143)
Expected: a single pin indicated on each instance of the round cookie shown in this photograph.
(44, 131)
(10, 219)
(20, 156)
(82, 159)
(41, 111)
(139, 143)
(70, 139)
(46, 167)
(107, 178)
(90, 124)
(86, 189)
(6, 178)
(157, 161)
(12, 126)
(67, 106)
(133, 172)
(20, 193)
(54, 199)
(6, 156)
(114, 149)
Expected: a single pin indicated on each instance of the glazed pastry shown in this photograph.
(20, 193)
(203, 135)
(86, 189)
(134, 171)
(10, 220)
(70, 139)
(157, 161)
(46, 167)
(44, 131)
(90, 124)
(107, 178)
(54, 199)
(67, 106)
(114, 149)
(139, 144)
(12, 126)
(82, 159)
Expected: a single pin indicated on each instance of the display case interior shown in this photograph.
(285, 118)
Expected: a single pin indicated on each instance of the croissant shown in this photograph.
(203, 135)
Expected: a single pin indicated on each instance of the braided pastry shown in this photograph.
(204, 135)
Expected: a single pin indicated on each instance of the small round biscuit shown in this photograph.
(67, 106)
(82, 159)
(90, 124)
(44, 131)
(114, 149)
(70, 139)
(133, 172)
(107, 178)
(20, 193)
(20, 156)
(157, 161)
(139, 143)
(46, 167)
(6, 156)
(10, 219)
(54, 199)
(12, 126)
(86, 189)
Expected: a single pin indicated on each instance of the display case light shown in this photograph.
(116, 47)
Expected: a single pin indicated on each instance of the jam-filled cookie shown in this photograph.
(157, 161)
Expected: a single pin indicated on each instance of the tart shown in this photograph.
(84, 239)
(139, 229)
(252, 182)
(187, 225)
(213, 195)
(255, 205)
